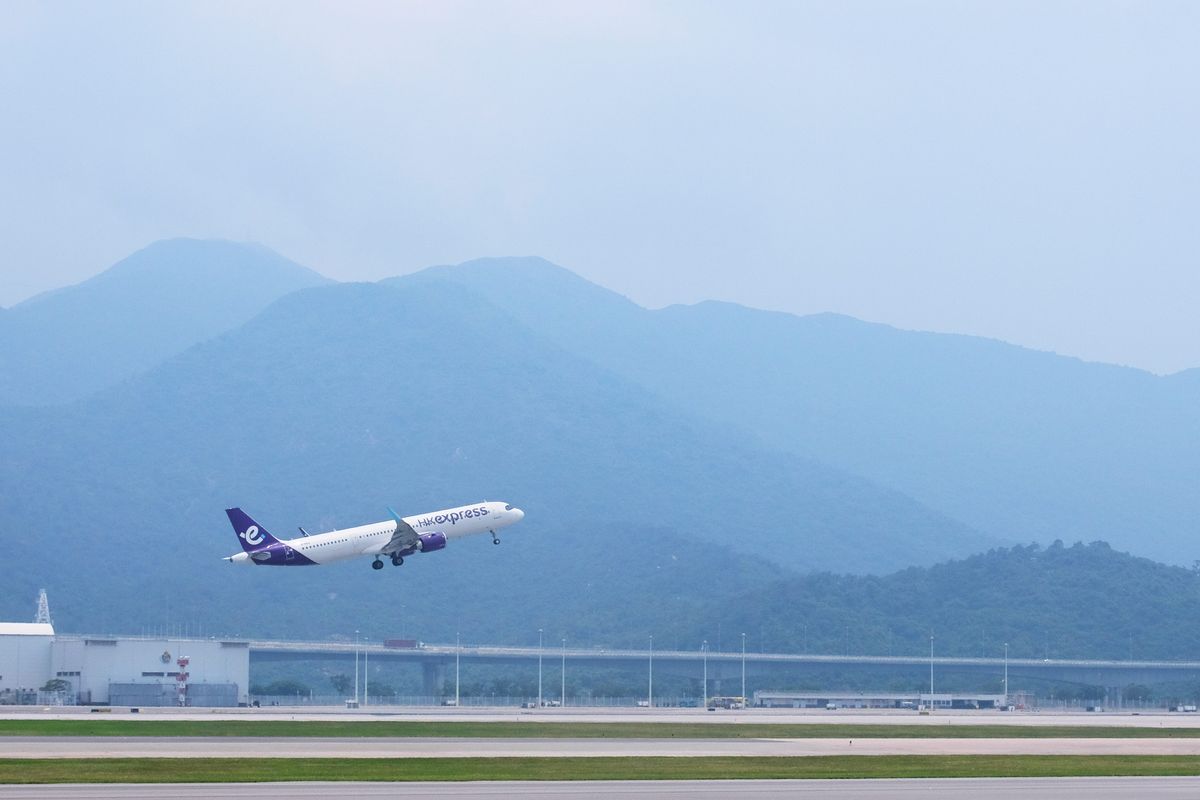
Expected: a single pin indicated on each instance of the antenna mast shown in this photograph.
(43, 611)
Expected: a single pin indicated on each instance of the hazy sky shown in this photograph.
(1026, 171)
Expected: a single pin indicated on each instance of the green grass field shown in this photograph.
(196, 770)
(566, 730)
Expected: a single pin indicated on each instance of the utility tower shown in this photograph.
(43, 612)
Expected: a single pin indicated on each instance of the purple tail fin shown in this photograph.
(253, 536)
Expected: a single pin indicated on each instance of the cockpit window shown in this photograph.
(508, 508)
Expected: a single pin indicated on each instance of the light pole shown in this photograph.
(704, 647)
(562, 700)
(650, 691)
(539, 667)
(931, 671)
(366, 671)
(743, 669)
(1006, 673)
(356, 668)
(457, 653)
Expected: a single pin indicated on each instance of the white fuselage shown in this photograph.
(372, 539)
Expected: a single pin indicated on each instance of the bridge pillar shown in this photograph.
(433, 677)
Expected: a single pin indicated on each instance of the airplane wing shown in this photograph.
(405, 538)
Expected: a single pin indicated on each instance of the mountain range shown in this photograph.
(68, 343)
(1016, 443)
(668, 460)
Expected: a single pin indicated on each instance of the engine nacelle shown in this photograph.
(431, 541)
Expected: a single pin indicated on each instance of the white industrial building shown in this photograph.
(133, 671)
(119, 670)
(24, 660)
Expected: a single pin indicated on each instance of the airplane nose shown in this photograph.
(519, 514)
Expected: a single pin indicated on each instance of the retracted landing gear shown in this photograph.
(495, 538)
(397, 561)
(376, 564)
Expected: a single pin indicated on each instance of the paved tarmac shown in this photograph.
(292, 747)
(1144, 719)
(891, 789)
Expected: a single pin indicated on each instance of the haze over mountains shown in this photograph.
(66, 344)
(1017, 443)
(666, 459)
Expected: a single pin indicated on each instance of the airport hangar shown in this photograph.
(120, 670)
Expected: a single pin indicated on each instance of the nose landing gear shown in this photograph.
(495, 538)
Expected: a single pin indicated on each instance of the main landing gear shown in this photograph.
(376, 564)
(495, 538)
(397, 561)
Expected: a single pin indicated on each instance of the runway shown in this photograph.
(891, 789)
(1154, 718)
(374, 748)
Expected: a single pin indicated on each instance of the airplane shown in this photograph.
(395, 538)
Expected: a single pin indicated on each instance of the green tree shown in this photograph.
(57, 685)
(341, 682)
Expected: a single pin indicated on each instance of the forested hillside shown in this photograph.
(1078, 601)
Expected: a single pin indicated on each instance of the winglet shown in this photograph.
(395, 516)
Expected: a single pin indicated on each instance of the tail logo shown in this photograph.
(252, 536)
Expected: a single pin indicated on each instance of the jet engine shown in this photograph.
(431, 541)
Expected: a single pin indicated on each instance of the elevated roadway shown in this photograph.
(786, 668)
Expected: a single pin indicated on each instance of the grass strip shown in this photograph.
(566, 730)
(238, 770)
